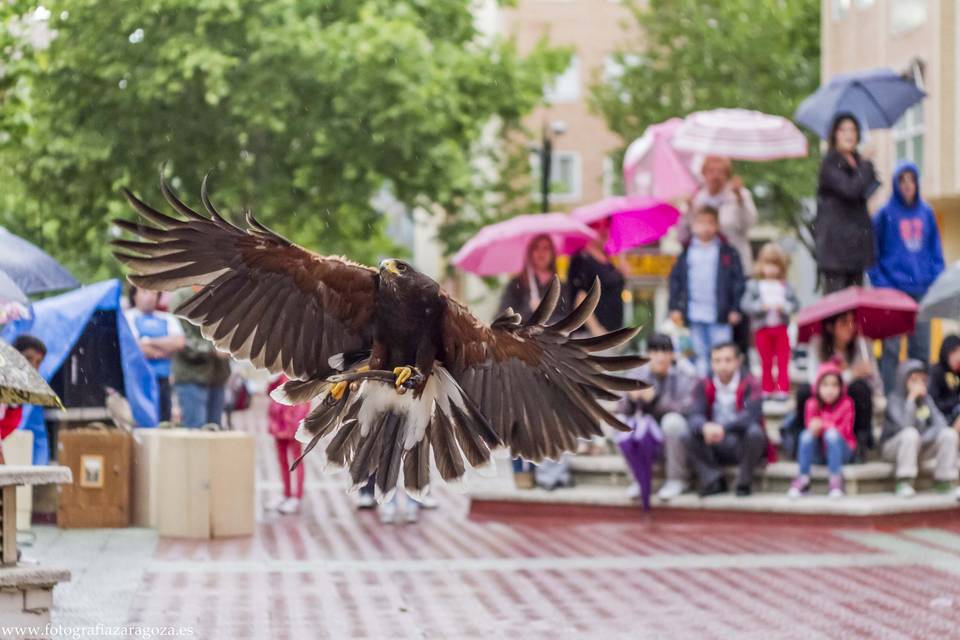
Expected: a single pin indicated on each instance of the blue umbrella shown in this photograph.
(30, 268)
(877, 98)
(10, 292)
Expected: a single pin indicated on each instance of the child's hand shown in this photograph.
(733, 317)
(677, 318)
(815, 426)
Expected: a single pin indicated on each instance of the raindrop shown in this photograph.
(123, 83)
(64, 15)
(41, 13)
(136, 36)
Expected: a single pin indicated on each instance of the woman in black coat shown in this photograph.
(842, 229)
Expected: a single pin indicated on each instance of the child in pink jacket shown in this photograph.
(282, 422)
(829, 433)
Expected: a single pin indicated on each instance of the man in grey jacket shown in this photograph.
(914, 430)
(668, 401)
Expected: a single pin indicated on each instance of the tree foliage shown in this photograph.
(707, 54)
(301, 110)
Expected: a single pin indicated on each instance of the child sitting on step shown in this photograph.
(829, 433)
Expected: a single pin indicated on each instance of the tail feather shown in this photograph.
(389, 465)
(416, 468)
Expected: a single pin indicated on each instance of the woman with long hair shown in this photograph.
(842, 230)
(525, 291)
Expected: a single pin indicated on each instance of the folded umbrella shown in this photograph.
(502, 247)
(640, 448)
(31, 268)
(652, 167)
(740, 134)
(881, 313)
(877, 98)
(634, 220)
(942, 299)
(20, 383)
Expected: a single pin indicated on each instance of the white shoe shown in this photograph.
(835, 493)
(388, 513)
(427, 501)
(905, 490)
(366, 501)
(633, 491)
(411, 514)
(289, 506)
(671, 489)
(276, 503)
(794, 493)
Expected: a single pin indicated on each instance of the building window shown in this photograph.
(907, 14)
(840, 9)
(908, 137)
(566, 88)
(565, 180)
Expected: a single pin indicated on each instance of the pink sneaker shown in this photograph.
(799, 486)
(836, 486)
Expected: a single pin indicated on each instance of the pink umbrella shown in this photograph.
(652, 167)
(881, 313)
(634, 220)
(740, 134)
(501, 247)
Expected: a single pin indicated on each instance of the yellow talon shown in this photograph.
(337, 390)
(403, 374)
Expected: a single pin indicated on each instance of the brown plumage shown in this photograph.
(340, 331)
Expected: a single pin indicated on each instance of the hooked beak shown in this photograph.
(389, 266)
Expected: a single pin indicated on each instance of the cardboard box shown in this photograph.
(18, 449)
(100, 493)
(146, 477)
(206, 488)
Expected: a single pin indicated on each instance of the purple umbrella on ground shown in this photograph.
(640, 449)
(634, 220)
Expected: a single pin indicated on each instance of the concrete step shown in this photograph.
(864, 478)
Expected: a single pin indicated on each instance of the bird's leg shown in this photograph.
(338, 389)
(407, 377)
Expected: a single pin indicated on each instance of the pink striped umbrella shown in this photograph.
(740, 134)
(502, 247)
(634, 220)
(652, 167)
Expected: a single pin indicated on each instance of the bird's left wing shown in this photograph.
(539, 388)
(264, 299)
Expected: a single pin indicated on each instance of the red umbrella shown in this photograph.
(881, 313)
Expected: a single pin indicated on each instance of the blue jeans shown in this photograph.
(918, 348)
(838, 452)
(200, 403)
(703, 336)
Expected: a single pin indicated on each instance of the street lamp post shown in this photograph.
(546, 160)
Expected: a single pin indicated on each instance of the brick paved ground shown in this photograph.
(333, 573)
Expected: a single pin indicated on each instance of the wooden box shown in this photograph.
(100, 493)
(206, 489)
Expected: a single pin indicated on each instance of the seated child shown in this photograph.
(829, 433)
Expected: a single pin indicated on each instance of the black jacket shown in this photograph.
(730, 282)
(944, 383)
(843, 230)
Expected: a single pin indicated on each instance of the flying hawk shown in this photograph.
(396, 368)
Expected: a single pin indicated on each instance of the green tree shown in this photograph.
(301, 110)
(707, 54)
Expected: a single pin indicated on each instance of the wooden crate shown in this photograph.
(100, 493)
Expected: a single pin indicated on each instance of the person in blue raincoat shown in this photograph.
(909, 259)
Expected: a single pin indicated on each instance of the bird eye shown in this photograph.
(401, 267)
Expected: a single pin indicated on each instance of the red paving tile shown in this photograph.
(334, 573)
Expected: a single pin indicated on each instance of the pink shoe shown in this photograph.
(799, 487)
(836, 486)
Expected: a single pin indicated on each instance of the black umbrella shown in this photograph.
(30, 267)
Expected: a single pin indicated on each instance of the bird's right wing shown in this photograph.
(263, 298)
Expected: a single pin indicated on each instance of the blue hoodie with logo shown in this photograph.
(909, 255)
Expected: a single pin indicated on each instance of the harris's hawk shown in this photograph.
(395, 367)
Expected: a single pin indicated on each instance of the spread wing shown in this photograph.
(540, 389)
(263, 298)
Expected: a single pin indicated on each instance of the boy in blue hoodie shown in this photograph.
(909, 258)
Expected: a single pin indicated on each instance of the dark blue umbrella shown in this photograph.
(30, 268)
(877, 98)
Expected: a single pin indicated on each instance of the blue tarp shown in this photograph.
(59, 321)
